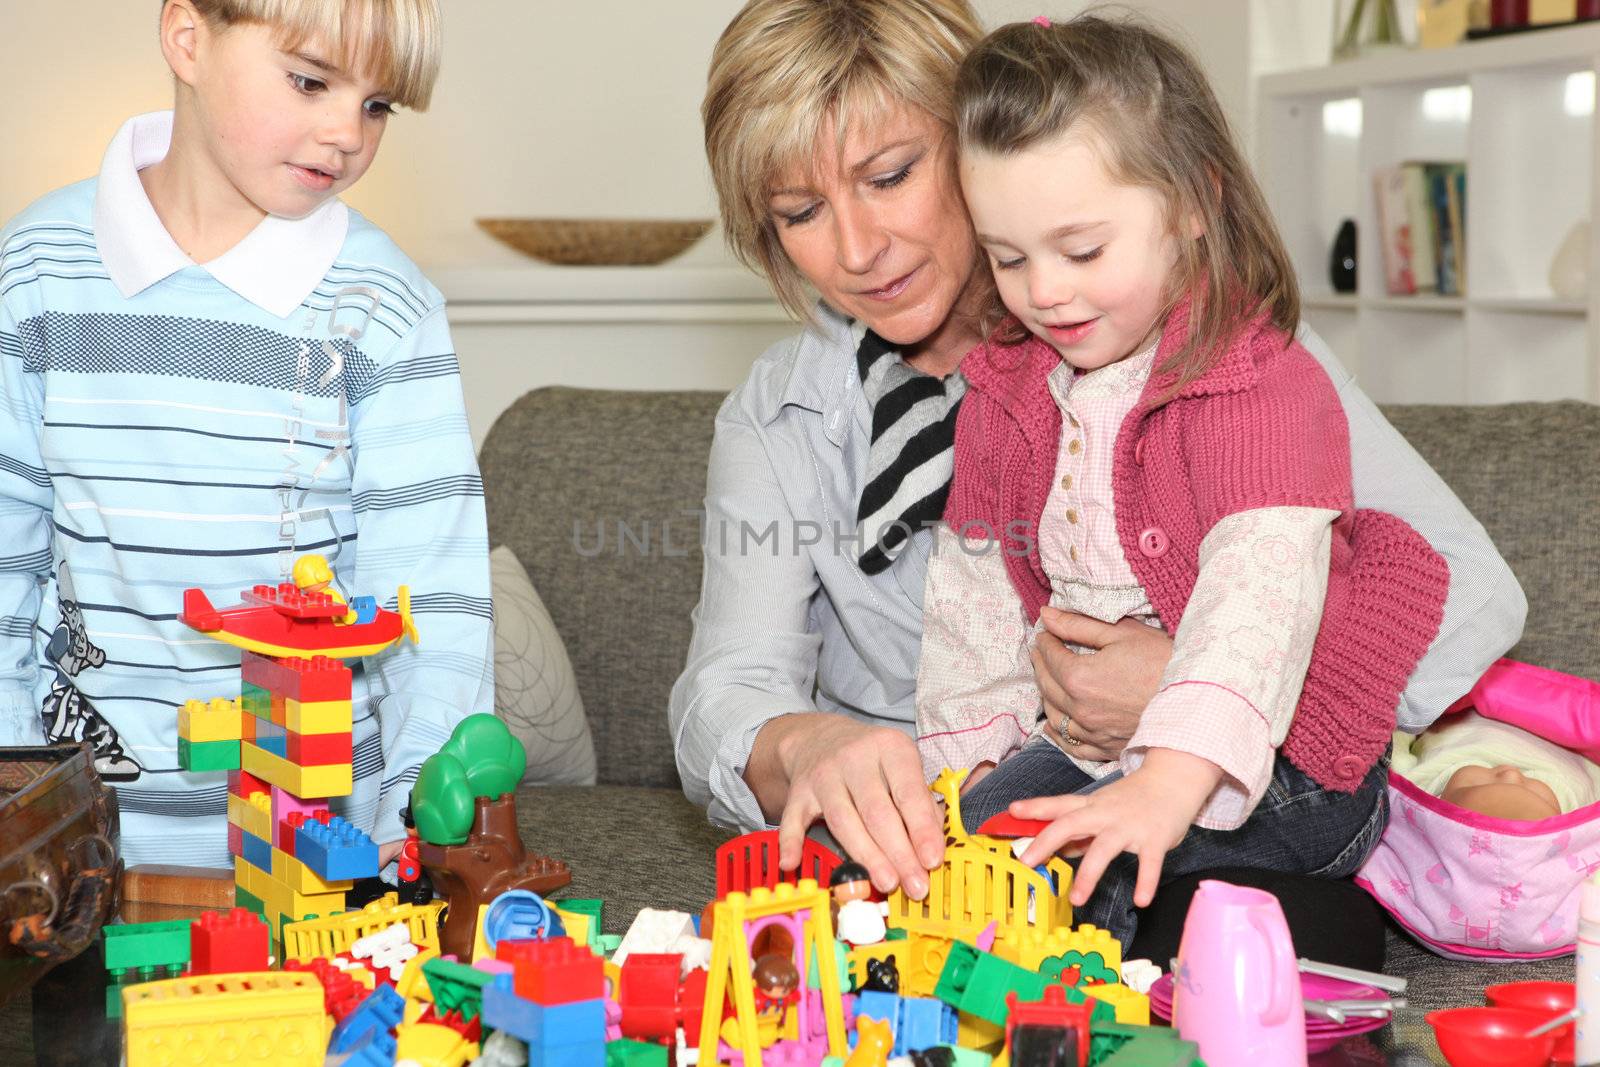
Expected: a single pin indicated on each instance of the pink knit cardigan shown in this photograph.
(1262, 427)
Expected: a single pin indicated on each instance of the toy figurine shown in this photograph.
(874, 1039)
(313, 575)
(882, 976)
(777, 984)
(857, 918)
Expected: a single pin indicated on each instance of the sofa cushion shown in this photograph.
(1531, 475)
(535, 692)
(566, 471)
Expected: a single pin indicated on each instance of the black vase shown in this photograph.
(1342, 260)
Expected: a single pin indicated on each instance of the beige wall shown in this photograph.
(545, 107)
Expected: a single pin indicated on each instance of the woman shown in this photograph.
(828, 130)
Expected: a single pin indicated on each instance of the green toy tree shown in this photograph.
(481, 759)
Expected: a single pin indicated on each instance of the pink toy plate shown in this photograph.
(1321, 1034)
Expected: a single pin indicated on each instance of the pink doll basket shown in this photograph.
(1472, 887)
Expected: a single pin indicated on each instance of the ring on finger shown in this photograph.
(1066, 734)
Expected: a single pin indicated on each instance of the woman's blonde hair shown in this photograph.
(398, 41)
(783, 69)
(1152, 109)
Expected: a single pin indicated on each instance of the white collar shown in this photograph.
(275, 267)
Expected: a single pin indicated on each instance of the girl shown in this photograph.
(1144, 440)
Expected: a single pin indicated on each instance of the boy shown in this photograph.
(209, 366)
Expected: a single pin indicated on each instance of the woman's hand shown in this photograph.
(864, 782)
(1104, 694)
(1147, 813)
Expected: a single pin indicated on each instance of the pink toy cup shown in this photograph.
(1236, 991)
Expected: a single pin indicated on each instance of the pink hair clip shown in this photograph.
(1042, 20)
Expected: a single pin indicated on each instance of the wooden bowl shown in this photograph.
(598, 242)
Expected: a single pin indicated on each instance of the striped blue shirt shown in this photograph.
(168, 425)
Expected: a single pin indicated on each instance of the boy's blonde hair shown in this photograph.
(1149, 104)
(398, 41)
(784, 68)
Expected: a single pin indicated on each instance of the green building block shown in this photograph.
(135, 946)
(208, 755)
(1154, 1049)
(241, 899)
(1106, 1038)
(255, 701)
(605, 944)
(456, 986)
(628, 1053)
(977, 983)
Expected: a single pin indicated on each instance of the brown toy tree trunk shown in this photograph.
(491, 861)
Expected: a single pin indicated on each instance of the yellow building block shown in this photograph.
(1131, 1005)
(435, 1045)
(302, 879)
(413, 984)
(252, 814)
(328, 717)
(577, 926)
(330, 780)
(280, 900)
(267, 1017)
(1033, 949)
(248, 876)
(221, 720)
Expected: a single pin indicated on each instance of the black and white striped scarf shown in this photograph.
(912, 454)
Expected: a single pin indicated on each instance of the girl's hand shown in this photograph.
(1146, 813)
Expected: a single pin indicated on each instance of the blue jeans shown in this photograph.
(1298, 828)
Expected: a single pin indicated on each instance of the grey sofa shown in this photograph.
(562, 467)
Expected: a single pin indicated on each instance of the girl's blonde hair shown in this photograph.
(783, 69)
(398, 41)
(1151, 107)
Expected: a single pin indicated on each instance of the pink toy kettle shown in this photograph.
(1236, 989)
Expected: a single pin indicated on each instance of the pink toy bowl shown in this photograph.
(1491, 1037)
(1548, 999)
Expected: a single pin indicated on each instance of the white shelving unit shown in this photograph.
(1520, 111)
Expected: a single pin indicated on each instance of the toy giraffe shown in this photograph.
(948, 787)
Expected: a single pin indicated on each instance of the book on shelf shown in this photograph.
(1422, 227)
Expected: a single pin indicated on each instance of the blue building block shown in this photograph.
(543, 1026)
(256, 852)
(376, 1049)
(585, 1054)
(917, 1023)
(381, 1011)
(335, 850)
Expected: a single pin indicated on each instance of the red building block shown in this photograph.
(309, 681)
(341, 994)
(648, 995)
(224, 942)
(555, 971)
(293, 821)
(692, 1000)
(316, 750)
(235, 840)
(245, 784)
